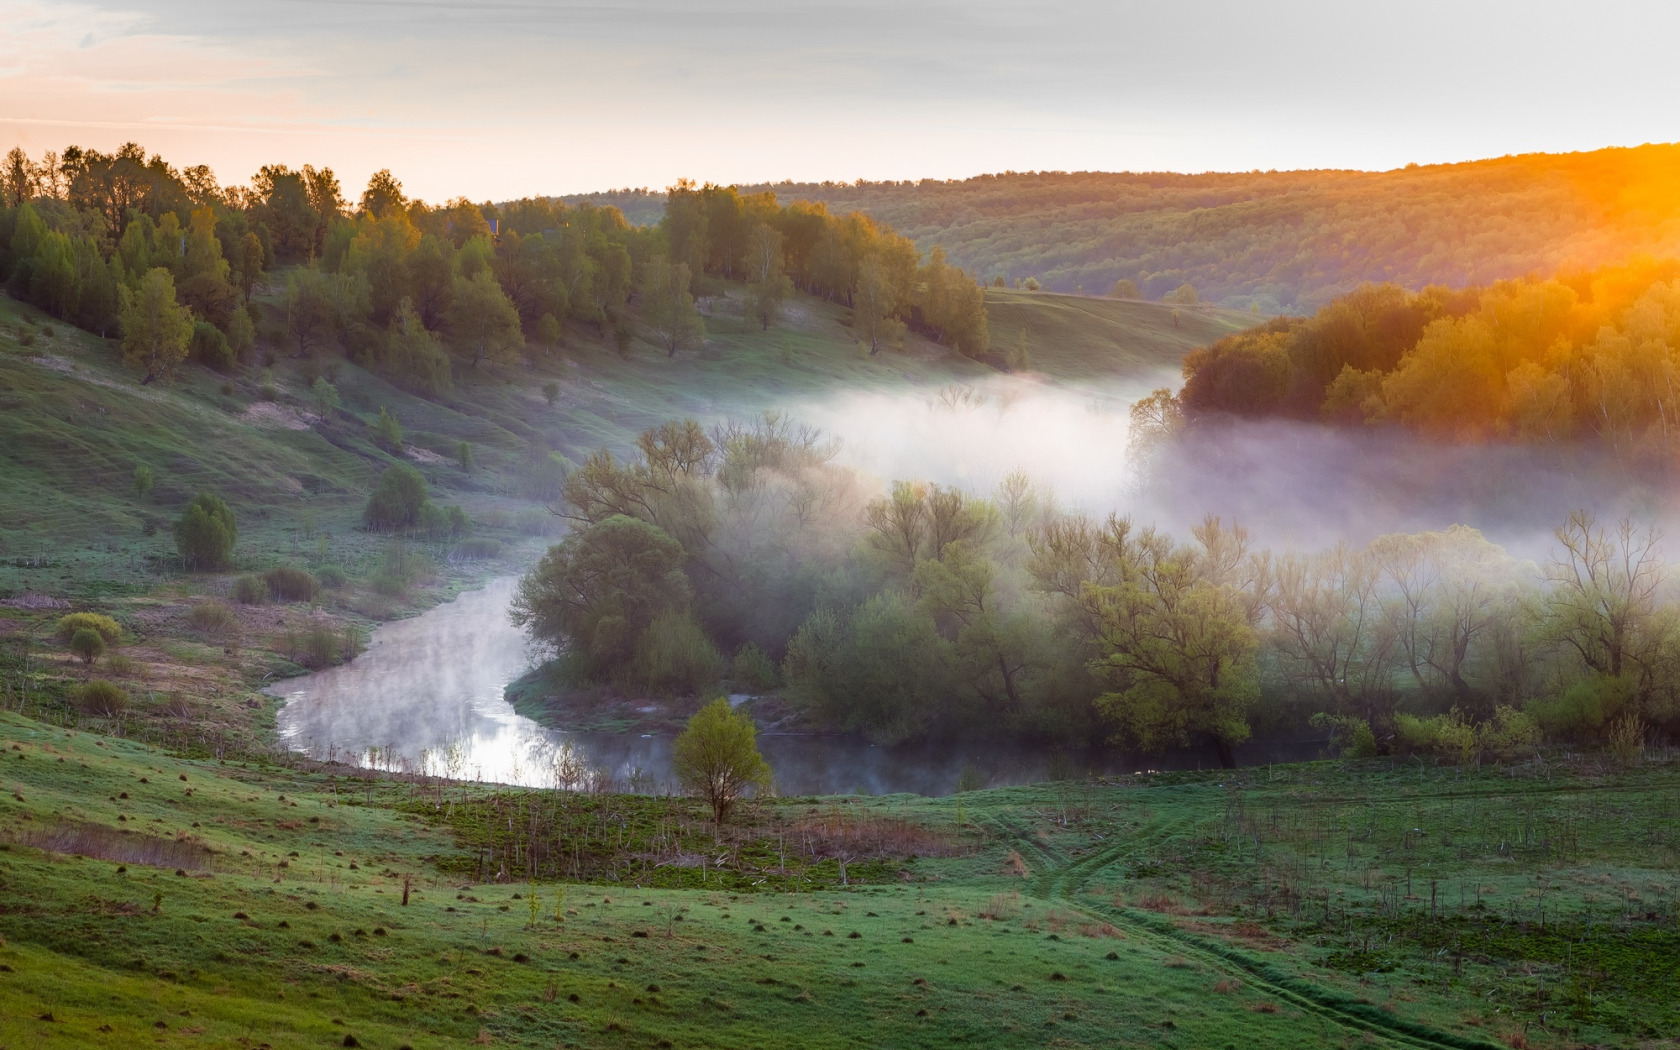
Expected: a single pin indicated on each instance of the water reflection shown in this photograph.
(427, 696)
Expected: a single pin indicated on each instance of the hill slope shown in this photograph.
(1284, 240)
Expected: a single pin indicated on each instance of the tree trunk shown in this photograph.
(1227, 756)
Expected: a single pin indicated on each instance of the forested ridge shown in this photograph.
(1283, 241)
(128, 245)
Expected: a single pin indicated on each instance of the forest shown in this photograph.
(1588, 358)
(744, 555)
(1281, 241)
(127, 245)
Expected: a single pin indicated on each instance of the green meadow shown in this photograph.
(170, 901)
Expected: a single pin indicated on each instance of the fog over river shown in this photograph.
(428, 694)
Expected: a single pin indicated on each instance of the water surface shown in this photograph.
(428, 695)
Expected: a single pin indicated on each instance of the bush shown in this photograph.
(288, 584)
(209, 347)
(87, 645)
(320, 645)
(675, 656)
(397, 500)
(443, 523)
(102, 698)
(332, 577)
(495, 519)
(213, 618)
(206, 533)
(1583, 710)
(478, 549)
(109, 631)
(535, 523)
(398, 570)
(250, 590)
(751, 669)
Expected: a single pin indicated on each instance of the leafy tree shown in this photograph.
(1177, 638)
(397, 500)
(323, 396)
(594, 595)
(1125, 288)
(548, 332)
(142, 481)
(716, 757)
(155, 327)
(483, 322)
(668, 308)
(205, 534)
(1183, 295)
(874, 304)
(767, 285)
(551, 393)
(413, 357)
(249, 265)
(384, 195)
(387, 432)
(464, 455)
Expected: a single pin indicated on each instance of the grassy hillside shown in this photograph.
(146, 897)
(1286, 240)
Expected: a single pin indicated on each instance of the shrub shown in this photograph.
(398, 570)
(206, 533)
(1585, 708)
(476, 549)
(87, 645)
(397, 500)
(495, 519)
(443, 523)
(716, 757)
(332, 577)
(675, 656)
(387, 432)
(535, 522)
(288, 584)
(250, 590)
(1627, 740)
(213, 618)
(320, 645)
(102, 698)
(751, 669)
(209, 347)
(109, 631)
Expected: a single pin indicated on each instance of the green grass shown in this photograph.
(1173, 910)
(1075, 338)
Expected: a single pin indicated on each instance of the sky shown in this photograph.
(508, 98)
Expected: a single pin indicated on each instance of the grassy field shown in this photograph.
(150, 898)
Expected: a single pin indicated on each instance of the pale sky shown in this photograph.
(513, 97)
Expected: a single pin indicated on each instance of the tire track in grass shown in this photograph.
(1059, 883)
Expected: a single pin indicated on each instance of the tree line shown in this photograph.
(1592, 356)
(125, 243)
(743, 556)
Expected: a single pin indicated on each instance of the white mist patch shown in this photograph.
(1070, 440)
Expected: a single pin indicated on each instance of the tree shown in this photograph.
(324, 396)
(874, 303)
(548, 332)
(483, 322)
(594, 594)
(1125, 288)
(388, 432)
(1602, 603)
(205, 534)
(668, 308)
(384, 195)
(249, 264)
(413, 358)
(142, 481)
(767, 285)
(397, 500)
(551, 392)
(1183, 295)
(155, 327)
(1177, 638)
(716, 757)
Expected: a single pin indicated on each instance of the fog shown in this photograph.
(1293, 485)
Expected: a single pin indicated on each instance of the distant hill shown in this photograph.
(1285, 241)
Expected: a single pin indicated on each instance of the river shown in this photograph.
(428, 695)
